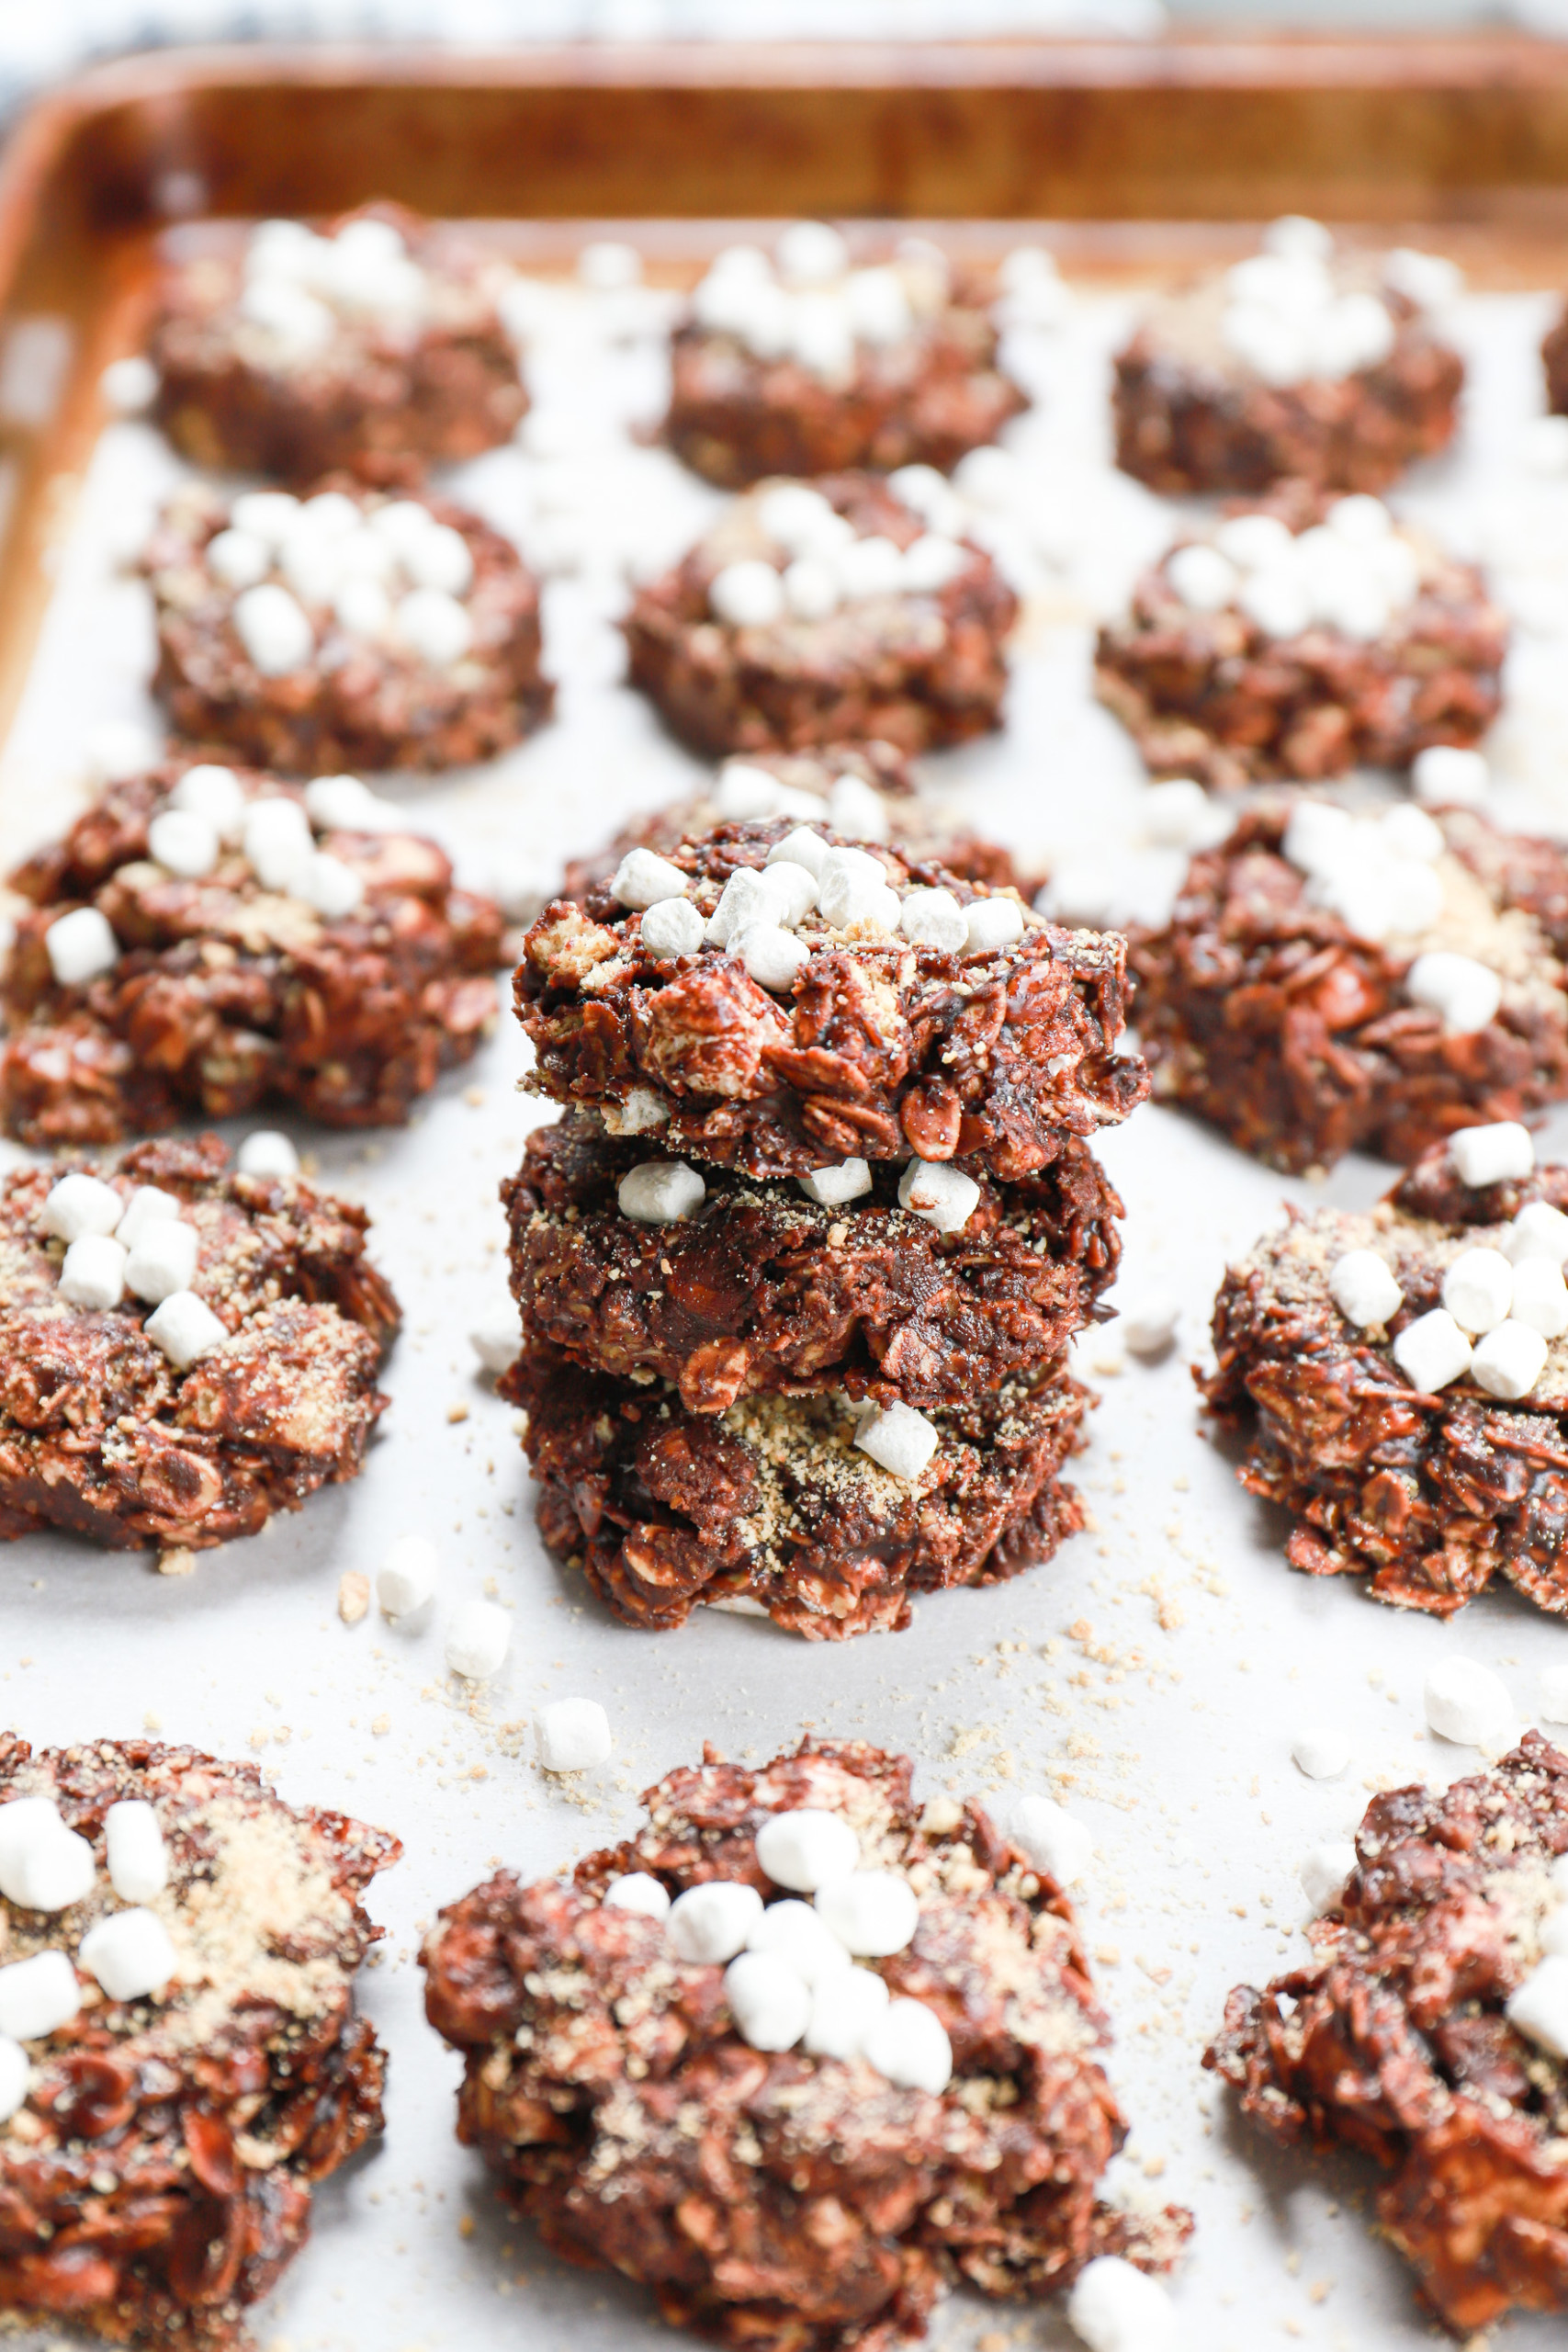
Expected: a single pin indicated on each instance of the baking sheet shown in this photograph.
(1152, 1675)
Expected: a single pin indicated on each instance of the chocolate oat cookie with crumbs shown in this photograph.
(354, 629)
(1400, 1379)
(181, 2061)
(185, 1348)
(1306, 361)
(820, 612)
(207, 940)
(806, 364)
(1327, 982)
(1429, 2032)
(846, 2056)
(1299, 640)
(372, 347)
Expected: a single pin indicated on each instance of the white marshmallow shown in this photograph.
(1509, 1361)
(299, 325)
(274, 628)
(572, 1735)
(875, 1913)
(878, 307)
(851, 889)
(711, 1922)
(363, 608)
(1179, 814)
(1321, 1751)
(497, 1337)
(792, 1932)
(1363, 1289)
(130, 387)
(439, 558)
(147, 1206)
(138, 1858)
(1054, 1840)
(402, 522)
(1426, 279)
(606, 267)
(847, 2004)
(1276, 602)
(162, 1261)
(1553, 1686)
(80, 1205)
(801, 847)
(638, 1890)
(330, 885)
(661, 1192)
(266, 1152)
(271, 514)
(939, 1193)
(870, 567)
(805, 1848)
(1318, 837)
(93, 1273)
(1478, 1289)
(1540, 1298)
(641, 1111)
(1539, 2008)
(1408, 832)
(185, 1329)
(1466, 1703)
(909, 2044)
(434, 626)
(81, 946)
(1324, 1872)
(935, 919)
(1150, 1324)
(1202, 578)
(770, 2003)
(1491, 1155)
(1117, 2309)
(45, 1866)
(408, 1577)
(645, 879)
(1538, 1231)
(749, 897)
(746, 790)
(1443, 776)
(1463, 992)
(898, 1438)
(1254, 542)
(799, 519)
(38, 1995)
(343, 804)
(278, 841)
(810, 253)
(793, 889)
(1296, 237)
(748, 594)
(993, 923)
(1432, 1351)
(130, 1954)
(16, 2073)
(671, 927)
(477, 1638)
(774, 958)
(183, 842)
(931, 562)
(831, 1187)
(238, 559)
(24, 1823)
(810, 589)
(858, 812)
(213, 792)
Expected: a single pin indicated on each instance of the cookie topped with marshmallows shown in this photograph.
(794, 1970)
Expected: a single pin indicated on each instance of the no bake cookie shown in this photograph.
(207, 940)
(793, 2151)
(184, 1349)
(181, 2061)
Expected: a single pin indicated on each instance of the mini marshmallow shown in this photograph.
(898, 1438)
(330, 885)
(792, 889)
(238, 559)
(147, 1206)
(183, 842)
(770, 2004)
(1539, 2008)
(875, 1913)
(1177, 814)
(343, 804)
(497, 1337)
(185, 1329)
(810, 253)
(909, 2044)
(1363, 1289)
(801, 847)
(847, 2004)
(82, 1204)
(1553, 1686)
(1465, 994)
(638, 1890)
(711, 1922)
(16, 2074)
(477, 1638)
(138, 1858)
(858, 810)
(805, 1848)
(1540, 1297)
(274, 628)
(831, 1187)
(38, 1995)
(45, 1866)
(671, 927)
(792, 1932)
(1203, 579)
(1443, 776)
(939, 1193)
(1254, 542)
(130, 1954)
(748, 595)
(1318, 836)
(93, 1273)
(407, 1576)
(1432, 1351)
(1491, 1155)
(773, 959)
(1117, 2309)
(1478, 1289)
(870, 567)
(1324, 1872)
(851, 889)
(572, 1735)
(746, 790)
(1509, 1361)
(933, 562)
(643, 879)
(434, 626)
(278, 841)
(1054, 1840)
(130, 387)
(1276, 603)
(641, 1111)
(266, 1152)
(934, 919)
(1321, 1752)
(1538, 1231)
(810, 589)
(162, 1262)
(1466, 1703)
(271, 514)
(439, 558)
(750, 896)
(1410, 832)
(992, 923)
(213, 792)
(80, 945)
(661, 1192)
(1148, 1325)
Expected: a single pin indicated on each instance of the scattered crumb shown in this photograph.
(352, 1596)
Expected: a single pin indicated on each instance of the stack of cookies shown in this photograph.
(800, 1267)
